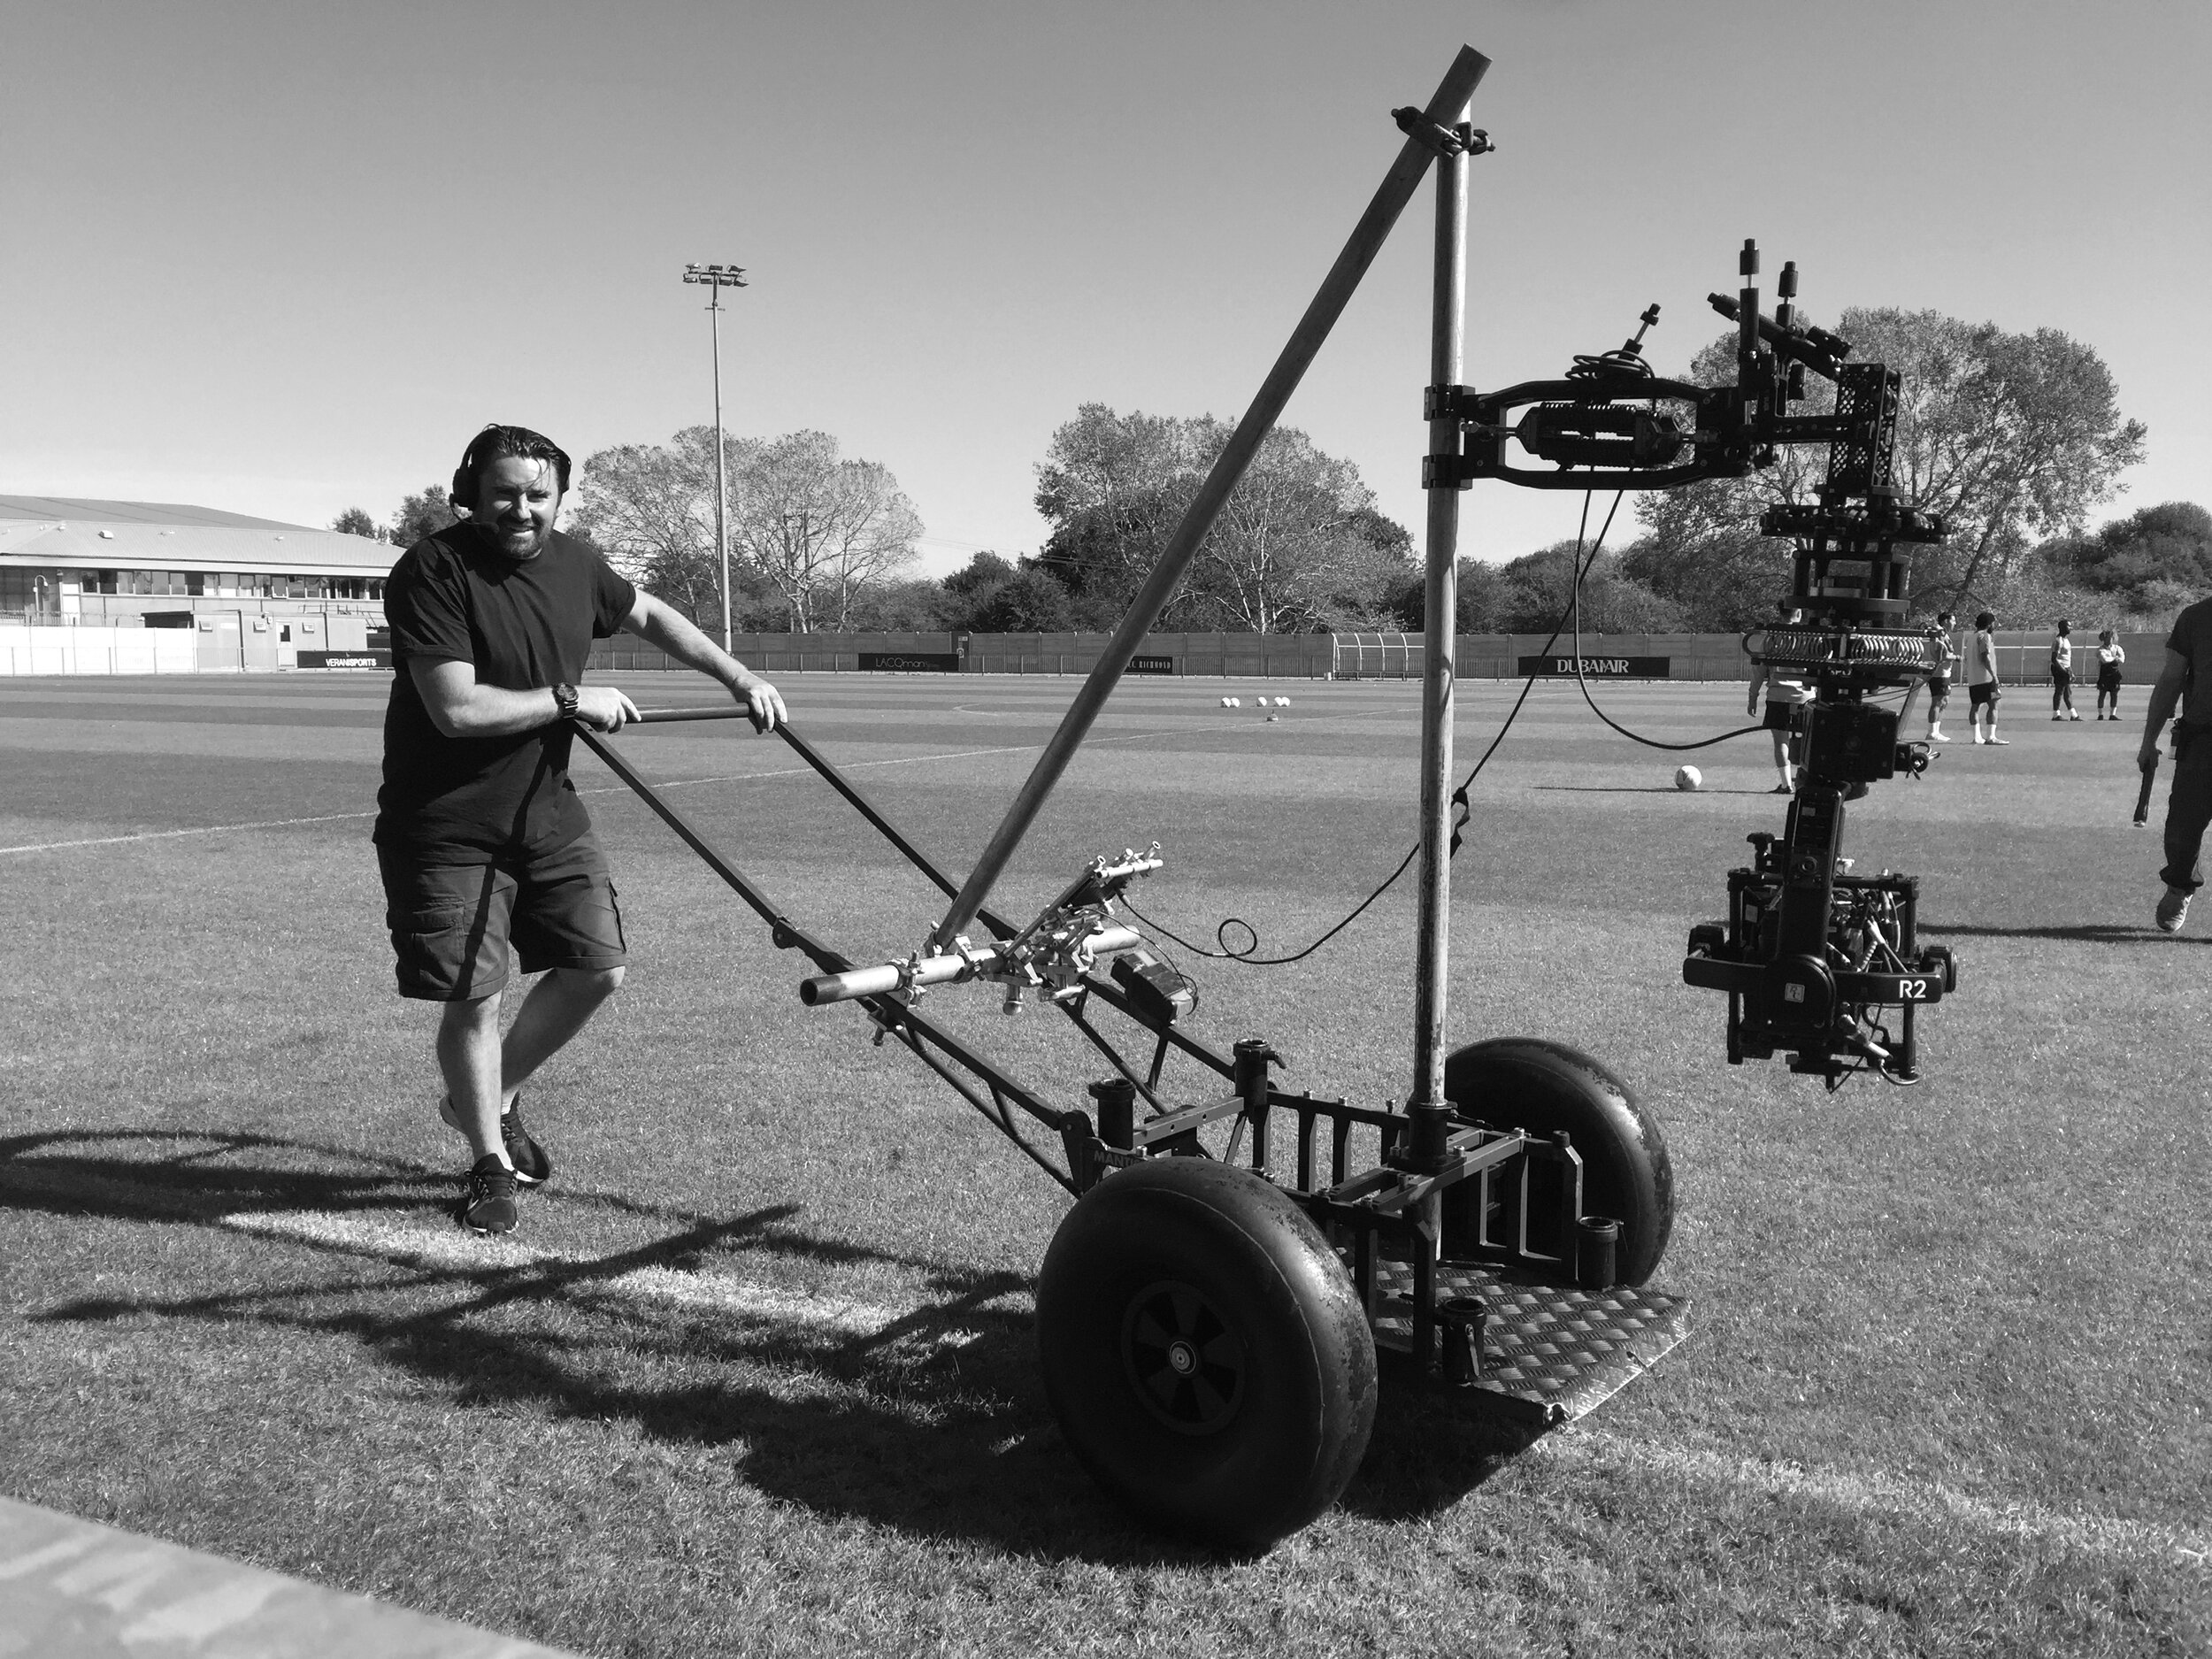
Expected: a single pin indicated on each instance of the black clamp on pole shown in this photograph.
(1449, 470)
(1445, 141)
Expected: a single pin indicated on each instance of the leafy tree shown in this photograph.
(908, 605)
(993, 596)
(1027, 602)
(1538, 585)
(2171, 542)
(1719, 576)
(423, 515)
(810, 533)
(819, 528)
(1298, 546)
(983, 571)
(2002, 433)
(356, 521)
(651, 507)
(1488, 601)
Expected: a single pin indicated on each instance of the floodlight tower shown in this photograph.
(715, 278)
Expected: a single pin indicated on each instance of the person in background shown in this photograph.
(2111, 656)
(2062, 672)
(2184, 682)
(1938, 682)
(1779, 690)
(1982, 689)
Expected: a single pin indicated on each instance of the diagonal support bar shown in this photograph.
(1337, 287)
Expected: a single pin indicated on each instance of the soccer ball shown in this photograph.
(1689, 778)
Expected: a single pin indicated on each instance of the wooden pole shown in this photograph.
(1337, 287)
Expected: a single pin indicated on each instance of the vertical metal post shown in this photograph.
(714, 279)
(1432, 934)
(721, 489)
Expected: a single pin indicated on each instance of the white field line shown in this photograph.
(611, 788)
(1928, 1502)
(158, 835)
(409, 1245)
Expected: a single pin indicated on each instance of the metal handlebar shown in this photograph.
(893, 977)
(731, 711)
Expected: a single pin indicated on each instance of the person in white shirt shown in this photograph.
(2062, 672)
(2112, 654)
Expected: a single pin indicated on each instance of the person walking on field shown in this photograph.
(1939, 681)
(2184, 682)
(2062, 672)
(2111, 656)
(481, 840)
(1779, 691)
(1982, 689)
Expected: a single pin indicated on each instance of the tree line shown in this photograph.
(2012, 437)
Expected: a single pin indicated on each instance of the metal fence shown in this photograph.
(231, 641)
(2023, 656)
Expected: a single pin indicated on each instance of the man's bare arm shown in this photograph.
(661, 624)
(459, 706)
(2165, 695)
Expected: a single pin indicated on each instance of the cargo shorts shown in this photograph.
(452, 925)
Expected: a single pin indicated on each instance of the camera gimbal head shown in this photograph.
(1811, 958)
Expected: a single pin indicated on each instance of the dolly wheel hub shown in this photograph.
(1185, 1362)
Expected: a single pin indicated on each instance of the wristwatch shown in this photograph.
(565, 699)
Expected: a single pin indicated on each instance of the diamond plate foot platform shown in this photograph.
(1549, 1353)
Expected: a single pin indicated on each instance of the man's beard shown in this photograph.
(528, 549)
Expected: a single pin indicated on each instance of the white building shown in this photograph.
(248, 593)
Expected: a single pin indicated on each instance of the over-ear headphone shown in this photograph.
(496, 442)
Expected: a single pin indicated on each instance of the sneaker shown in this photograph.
(2173, 909)
(532, 1165)
(1935, 735)
(488, 1203)
(2006, 742)
(2058, 716)
(1782, 789)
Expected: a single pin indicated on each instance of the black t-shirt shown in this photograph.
(2191, 638)
(526, 624)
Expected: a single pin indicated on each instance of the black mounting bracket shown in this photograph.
(1460, 139)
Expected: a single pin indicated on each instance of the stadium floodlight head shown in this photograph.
(719, 276)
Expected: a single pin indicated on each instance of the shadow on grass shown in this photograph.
(2088, 932)
(934, 1424)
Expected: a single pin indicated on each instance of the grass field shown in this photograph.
(755, 1374)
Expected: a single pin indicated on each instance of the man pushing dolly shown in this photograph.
(480, 837)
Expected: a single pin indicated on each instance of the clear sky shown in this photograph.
(282, 259)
